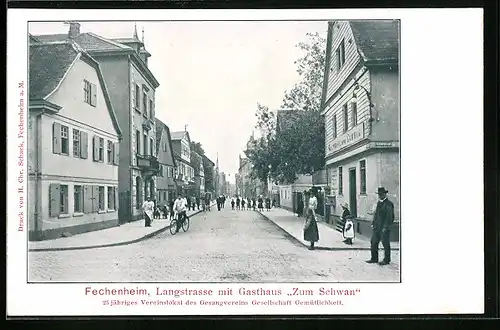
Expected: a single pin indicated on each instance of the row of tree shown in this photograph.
(297, 146)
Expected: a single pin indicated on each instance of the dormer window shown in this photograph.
(340, 55)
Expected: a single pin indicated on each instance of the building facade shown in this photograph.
(166, 188)
(73, 144)
(131, 87)
(209, 173)
(199, 174)
(360, 104)
(185, 176)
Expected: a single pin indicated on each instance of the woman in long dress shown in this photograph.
(347, 224)
(311, 233)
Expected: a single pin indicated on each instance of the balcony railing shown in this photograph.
(148, 163)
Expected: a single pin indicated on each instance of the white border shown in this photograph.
(441, 174)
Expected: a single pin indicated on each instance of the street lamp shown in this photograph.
(354, 99)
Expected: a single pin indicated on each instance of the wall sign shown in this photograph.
(347, 139)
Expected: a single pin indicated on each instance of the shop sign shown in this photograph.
(347, 139)
(383, 144)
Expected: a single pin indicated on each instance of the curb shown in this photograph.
(137, 240)
(316, 247)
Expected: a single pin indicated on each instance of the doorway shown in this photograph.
(352, 192)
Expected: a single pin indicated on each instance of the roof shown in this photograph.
(377, 40)
(48, 64)
(179, 135)
(160, 128)
(96, 44)
(208, 160)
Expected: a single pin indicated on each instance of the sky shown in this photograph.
(213, 74)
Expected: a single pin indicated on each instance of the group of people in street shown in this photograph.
(247, 203)
(383, 218)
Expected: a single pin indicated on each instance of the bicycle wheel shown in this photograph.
(173, 227)
(185, 225)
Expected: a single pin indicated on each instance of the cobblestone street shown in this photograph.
(226, 246)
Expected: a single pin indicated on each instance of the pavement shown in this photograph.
(329, 238)
(225, 246)
(125, 234)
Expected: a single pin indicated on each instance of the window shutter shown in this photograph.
(84, 145)
(93, 97)
(87, 199)
(116, 153)
(95, 199)
(55, 206)
(96, 148)
(133, 95)
(56, 138)
(116, 201)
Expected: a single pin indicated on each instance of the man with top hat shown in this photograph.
(382, 222)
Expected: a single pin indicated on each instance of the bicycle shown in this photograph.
(173, 224)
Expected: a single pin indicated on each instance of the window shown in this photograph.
(354, 113)
(76, 143)
(63, 201)
(110, 152)
(137, 98)
(145, 103)
(111, 198)
(101, 149)
(165, 146)
(101, 198)
(78, 197)
(164, 195)
(151, 147)
(64, 140)
(341, 183)
(340, 52)
(362, 171)
(346, 117)
(334, 124)
(89, 93)
(151, 113)
(145, 147)
(138, 142)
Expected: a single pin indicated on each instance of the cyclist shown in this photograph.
(180, 207)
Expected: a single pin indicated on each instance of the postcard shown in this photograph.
(239, 162)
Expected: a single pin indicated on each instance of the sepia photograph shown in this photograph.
(258, 151)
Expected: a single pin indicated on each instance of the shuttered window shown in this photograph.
(90, 93)
(63, 199)
(151, 146)
(137, 98)
(54, 208)
(101, 198)
(111, 198)
(138, 142)
(101, 149)
(78, 199)
(151, 109)
(95, 199)
(116, 152)
(110, 152)
(76, 143)
(84, 145)
(145, 104)
(145, 141)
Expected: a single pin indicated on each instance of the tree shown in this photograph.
(298, 147)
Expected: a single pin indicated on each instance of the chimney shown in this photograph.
(74, 30)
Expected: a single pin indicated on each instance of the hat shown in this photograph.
(382, 190)
(345, 205)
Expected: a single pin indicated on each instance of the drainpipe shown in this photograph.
(38, 158)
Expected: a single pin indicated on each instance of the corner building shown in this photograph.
(361, 106)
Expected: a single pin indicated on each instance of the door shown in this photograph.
(352, 192)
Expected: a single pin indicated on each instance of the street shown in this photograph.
(225, 246)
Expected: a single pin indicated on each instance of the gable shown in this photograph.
(71, 97)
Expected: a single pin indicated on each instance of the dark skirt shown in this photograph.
(311, 233)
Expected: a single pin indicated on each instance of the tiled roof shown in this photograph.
(47, 65)
(88, 41)
(378, 40)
